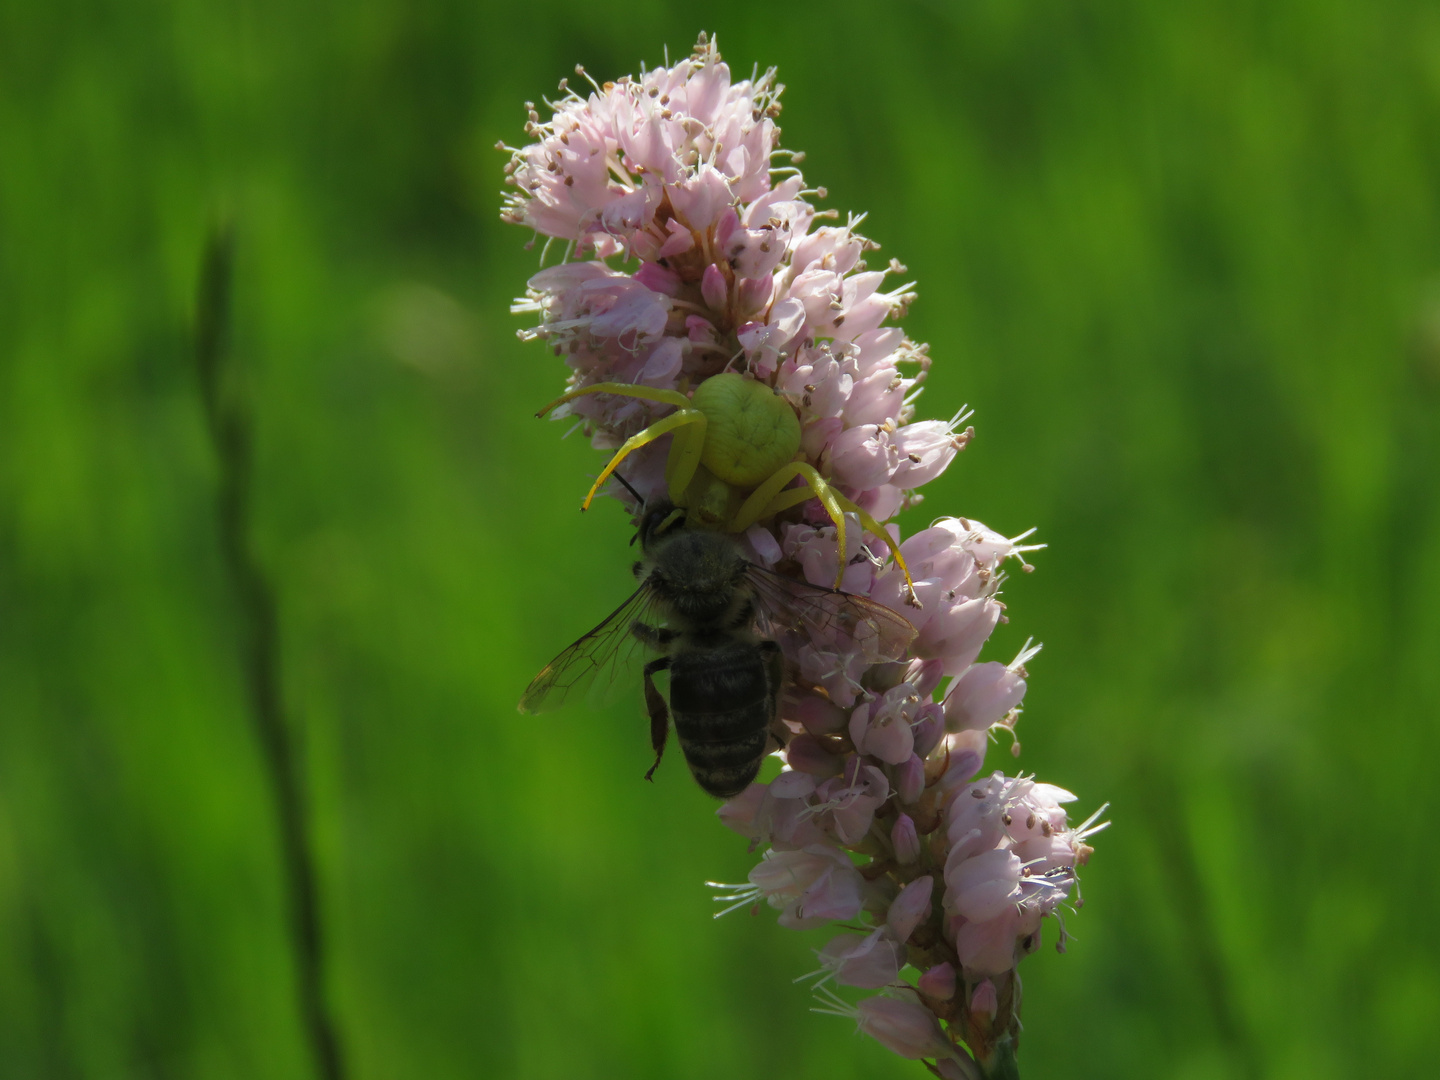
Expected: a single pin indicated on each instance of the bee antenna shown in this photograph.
(626, 485)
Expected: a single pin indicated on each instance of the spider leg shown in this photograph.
(767, 499)
(770, 498)
(874, 527)
(661, 427)
(685, 451)
(645, 393)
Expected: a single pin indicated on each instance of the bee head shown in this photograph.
(659, 520)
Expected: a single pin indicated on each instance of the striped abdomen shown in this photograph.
(723, 698)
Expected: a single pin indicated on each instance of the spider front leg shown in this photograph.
(772, 497)
(687, 422)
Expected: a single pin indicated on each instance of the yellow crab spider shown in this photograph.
(732, 436)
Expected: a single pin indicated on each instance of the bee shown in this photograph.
(717, 620)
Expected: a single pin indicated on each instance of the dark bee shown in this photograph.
(722, 615)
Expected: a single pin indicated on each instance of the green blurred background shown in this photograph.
(1183, 259)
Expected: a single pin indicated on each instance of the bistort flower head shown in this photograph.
(691, 247)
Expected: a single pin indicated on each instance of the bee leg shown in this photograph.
(655, 706)
(775, 671)
(653, 637)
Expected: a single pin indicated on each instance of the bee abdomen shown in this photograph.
(723, 701)
(724, 749)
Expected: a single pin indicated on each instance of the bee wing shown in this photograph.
(793, 610)
(591, 665)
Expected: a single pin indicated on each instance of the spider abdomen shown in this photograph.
(751, 430)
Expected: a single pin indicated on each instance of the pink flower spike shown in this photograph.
(938, 982)
(687, 245)
(910, 908)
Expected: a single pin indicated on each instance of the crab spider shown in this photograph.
(732, 456)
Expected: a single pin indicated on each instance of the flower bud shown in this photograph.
(869, 961)
(806, 754)
(925, 675)
(910, 908)
(739, 813)
(904, 839)
(700, 330)
(938, 982)
(658, 279)
(984, 1000)
(965, 751)
(754, 293)
(981, 696)
(988, 948)
(926, 449)
(958, 629)
(713, 289)
(904, 1027)
(910, 779)
(863, 457)
(881, 728)
(985, 885)
(812, 886)
(819, 716)
(928, 729)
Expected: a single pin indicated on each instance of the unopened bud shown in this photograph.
(905, 839)
(938, 982)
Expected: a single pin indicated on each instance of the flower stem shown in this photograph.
(229, 423)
